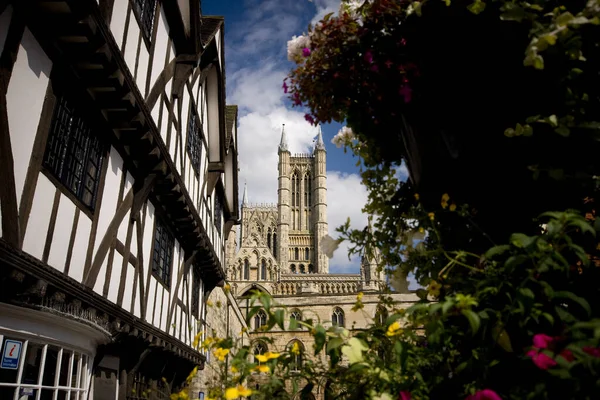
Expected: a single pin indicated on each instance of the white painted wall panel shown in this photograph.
(99, 284)
(165, 122)
(218, 41)
(110, 195)
(122, 233)
(171, 145)
(5, 18)
(129, 273)
(62, 233)
(160, 50)
(133, 36)
(82, 237)
(35, 236)
(25, 98)
(166, 300)
(142, 71)
(137, 309)
(151, 309)
(117, 21)
(115, 278)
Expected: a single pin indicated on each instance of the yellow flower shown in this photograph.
(243, 391)
(234, 369)
(209, 303)
(192, 374)
(262, 368)
(417, 196)
(452, 207)
(182, 395)
(434, 288)
(221, 353)
(270, 355)
(197, 339)
(261, 358)
(359, 296)
(445, 199)
(394, 329)
(465, 300)
(231, 393)
(295, 348)
(421, 230)
(431, 216)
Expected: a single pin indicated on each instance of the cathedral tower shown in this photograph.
(302, 209)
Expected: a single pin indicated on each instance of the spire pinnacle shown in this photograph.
(283, 145)
(245, 197)
(320, 145)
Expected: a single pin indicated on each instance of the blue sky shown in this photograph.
(256, 35)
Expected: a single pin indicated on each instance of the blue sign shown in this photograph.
(11, 354)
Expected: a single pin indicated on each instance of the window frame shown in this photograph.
(335, 317)
(158, 222)
(260, 319)
(55, 173)
(195, 138)
(139, 16)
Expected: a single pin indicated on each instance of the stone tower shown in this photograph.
(302, 206)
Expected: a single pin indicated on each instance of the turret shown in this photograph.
(320, 201)
(283, 204)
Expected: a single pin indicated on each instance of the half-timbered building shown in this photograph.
(118, 187)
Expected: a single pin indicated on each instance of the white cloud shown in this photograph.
(325, 7)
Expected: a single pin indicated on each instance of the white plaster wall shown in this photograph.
(25, 98)
(137, 309)
(133, 35)
(151, 311)
(218, 41)
(171, 144)
(5, 19)
(129, 273)
(115, 278)
(84, 227)
(160, 49)
(147, 248)
(62, 233)
(143, 68)
(99, 284)
(110, 195)
(37, 228)
(117, 21)
(164, 123)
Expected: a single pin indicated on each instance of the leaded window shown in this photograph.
(260, 319)
(297, 316)
(337, 317)
(259, 348)
(162, 256)
(145, 11)
(218, 213)
(246, 269)
(74, 153)
(194, 141)
(296, 348)
(196, 291)
(263, 270)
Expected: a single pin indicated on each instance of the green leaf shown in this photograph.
(563, 131)
(509, 132)
(526, 292)
(564, 18)
(327, 17)
(573, 297)
(354, 349)
(501, 337)
(422, 294)
(279, 318)
(334, 343)
(521, 240)
(553, 120)
(557, 174)
(473, 320)
(293, 324)
(320, 337)
(476, 7)
(496, 251)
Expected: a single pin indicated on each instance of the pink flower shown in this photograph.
(541, 360)
(297, 101)
(306, 52)
(285, 87)
(374, 68)
(542, 341)
(406, 92)
(567, 355)
(485, 394)
(369, 57)
(309, 118)
(592, 351)
(404, 395)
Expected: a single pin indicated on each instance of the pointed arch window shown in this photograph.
(275, 250)
(296, 254)
(307, 190)
(381, 315)
(302, 269)
(296, 315)
(337, 317)
(269, 239)
(246, 269)
(295, 191)
(311, 269)
(306, 254)
(297, 349)
(260, 319)
(263, 270)
(259, 349)
(293, 268)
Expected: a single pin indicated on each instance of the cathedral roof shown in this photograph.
(283, 145)
(320, 145)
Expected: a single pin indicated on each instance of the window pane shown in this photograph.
(62, 395)
(27, 393)
(83, 380)
(50, 366)
(64, 368)
(74, 382)
(33, 359)
(47, 394)
(6, 392)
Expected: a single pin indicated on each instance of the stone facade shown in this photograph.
(279, 250)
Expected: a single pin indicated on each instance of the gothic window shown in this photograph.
(194, 141)
(297, 316)
(297, 349)
(295, 190)
(337, 317)
(263, 270)
(302, 269)
(296, 254)
(381, 315)
(259, 348)
(246, 269)
(74, 152)
(269, 240)
(307, 190)
(306, 254)
(275, 250)
(162, 255)
(260, 319)
(311, 269)
(293, 268)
